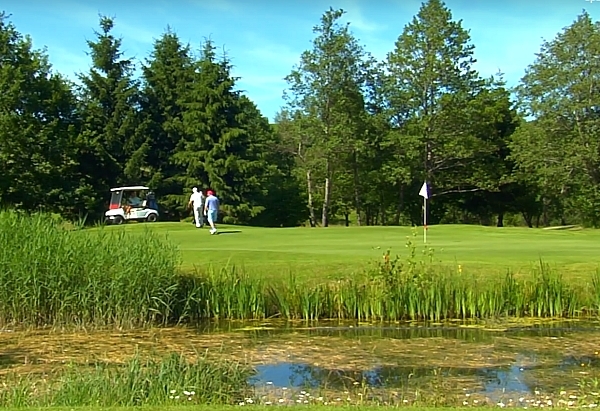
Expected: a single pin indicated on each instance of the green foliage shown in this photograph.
(326, 94)
(557, 152)
(167, 77)
(38, 128)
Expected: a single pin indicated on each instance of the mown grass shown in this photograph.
(320, 254)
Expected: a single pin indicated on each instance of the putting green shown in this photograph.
(335, 252)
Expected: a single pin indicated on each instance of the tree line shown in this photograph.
(353, 143)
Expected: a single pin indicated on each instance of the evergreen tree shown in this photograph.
(225, 140)
(109, 102)
(38, 126)
(167, 78)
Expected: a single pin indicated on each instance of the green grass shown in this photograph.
(234, 407)
(335, 252)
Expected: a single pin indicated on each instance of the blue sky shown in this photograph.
(264, 38)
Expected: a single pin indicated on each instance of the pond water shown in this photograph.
(447, 363)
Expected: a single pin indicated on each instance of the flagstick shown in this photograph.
(424, 220)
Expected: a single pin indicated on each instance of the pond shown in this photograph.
(518, 363)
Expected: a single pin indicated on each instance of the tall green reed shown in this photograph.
(54, 275)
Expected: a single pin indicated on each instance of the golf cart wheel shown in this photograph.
(118, 220)
(151, 218)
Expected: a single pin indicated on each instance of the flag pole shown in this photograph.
(424, 193)
(424, 220)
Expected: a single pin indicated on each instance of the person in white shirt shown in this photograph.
(196, 200)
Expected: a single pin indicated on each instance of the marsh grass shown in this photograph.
(52, 274)
(139, 381)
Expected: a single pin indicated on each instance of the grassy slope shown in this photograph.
(337, 251)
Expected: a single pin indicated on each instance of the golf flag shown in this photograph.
(423, 192)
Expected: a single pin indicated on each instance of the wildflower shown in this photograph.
(186, 393)
(268, 403)
(269, 382)
(177, 397)
(281, 400)
(173, 391)
(563, 392)
(501, 404)
(242, 403)
(465, 402)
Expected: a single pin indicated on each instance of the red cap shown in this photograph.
(210, 192)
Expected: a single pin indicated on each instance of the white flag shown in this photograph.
(423, 192)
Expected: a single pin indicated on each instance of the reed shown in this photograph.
(51, 274)
(170, 380)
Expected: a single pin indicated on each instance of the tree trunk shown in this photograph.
(357, 204)
(500, 222)
(382, 208)
(400, 204)
(347, 219)
(327, 197)
(528, 219)
(311, 208)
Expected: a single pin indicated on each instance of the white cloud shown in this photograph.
(358, 21)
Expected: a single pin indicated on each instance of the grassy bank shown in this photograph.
(52, 276)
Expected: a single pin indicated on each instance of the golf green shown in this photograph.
(334, 252)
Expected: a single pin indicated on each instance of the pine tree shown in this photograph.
(167, 80)
(109, 98)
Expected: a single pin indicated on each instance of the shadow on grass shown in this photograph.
(229, 232)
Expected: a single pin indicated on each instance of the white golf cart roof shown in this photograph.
(130, 188)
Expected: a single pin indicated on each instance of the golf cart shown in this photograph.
(131, 203)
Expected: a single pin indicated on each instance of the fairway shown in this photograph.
(335, 252)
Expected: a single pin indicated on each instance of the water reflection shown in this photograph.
(535, 367)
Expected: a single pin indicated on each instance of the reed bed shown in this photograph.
(432, 295)
(167, 381)
(52, 275)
